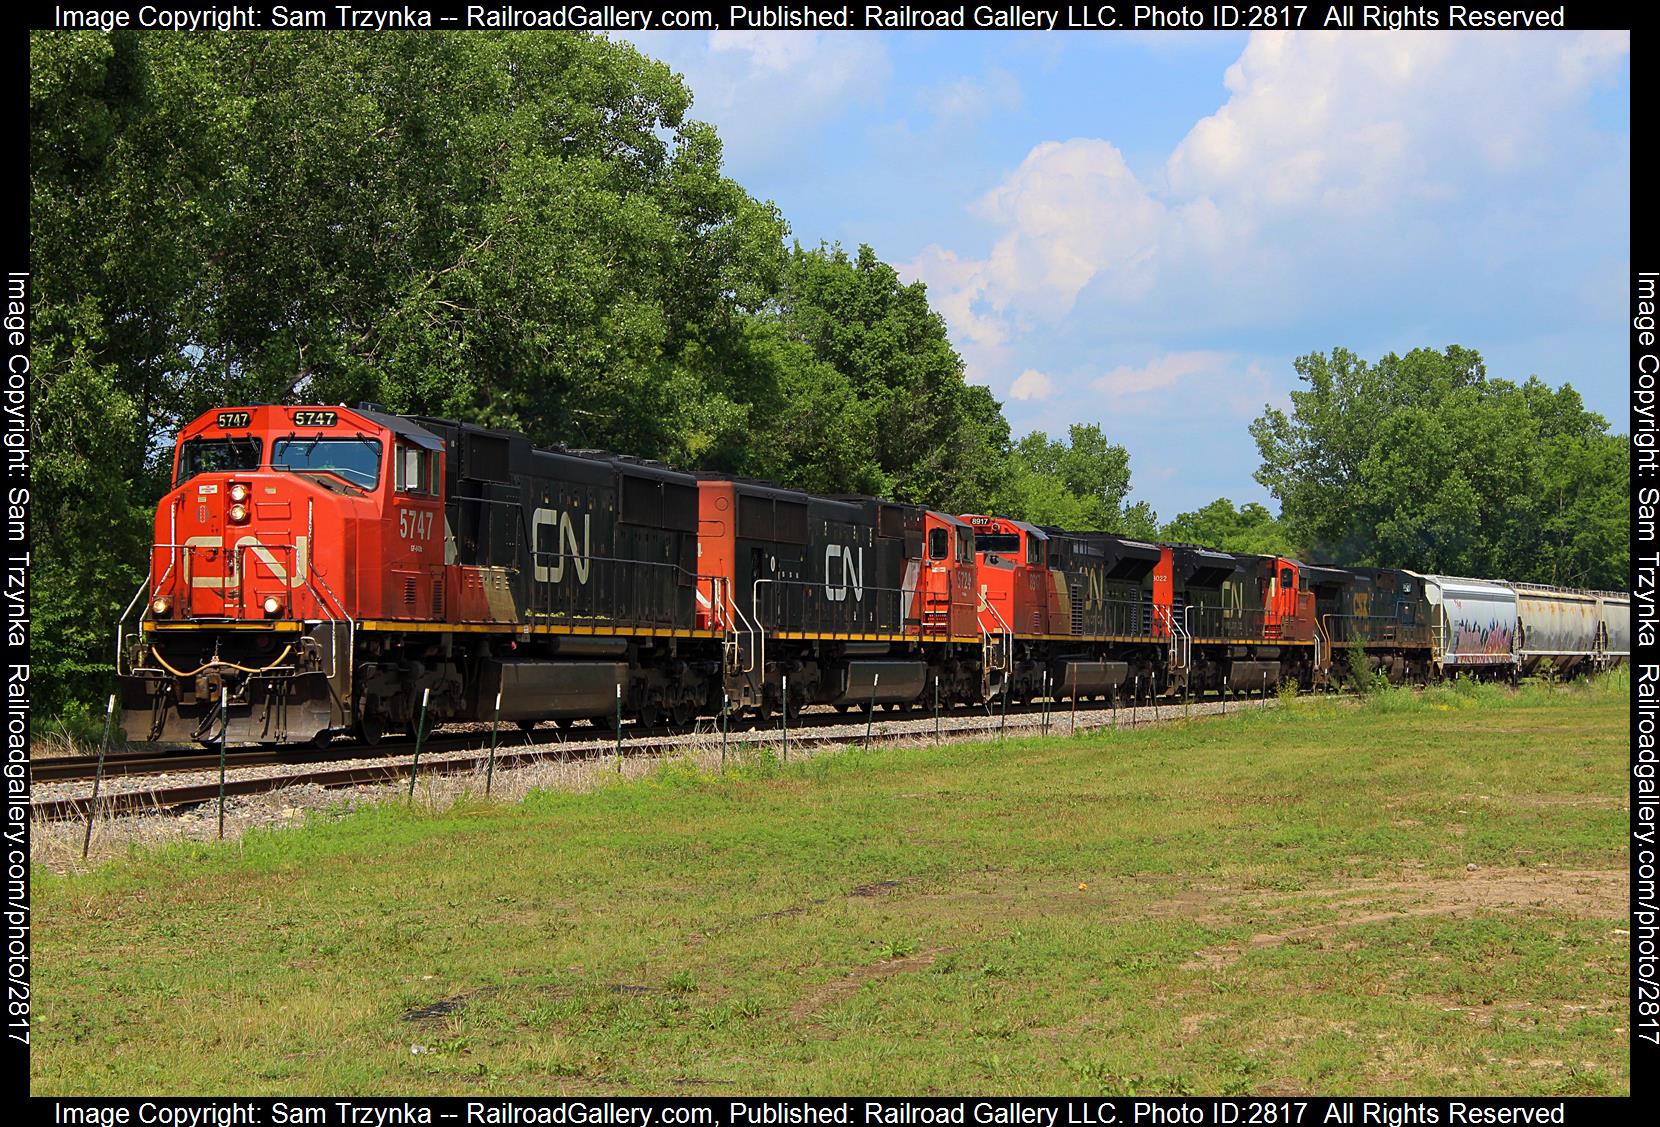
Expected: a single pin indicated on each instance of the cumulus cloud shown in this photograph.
(1073, 212)
(1031, 384)
(1352, 123)
(1324, 140)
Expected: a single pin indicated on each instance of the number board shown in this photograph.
(981, 522)
(233, 420)
(315, 418)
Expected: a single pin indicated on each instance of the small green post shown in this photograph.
(937, 708)
(725, 711)
(1003, 722)
(1046, 702)
(784, 716)
(224, 738)
(619, 727)
(870, 712)
(420, 736)
(98, 779)
(495, 722)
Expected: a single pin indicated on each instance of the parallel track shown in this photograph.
(174, 798)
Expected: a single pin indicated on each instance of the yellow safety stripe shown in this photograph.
(378, 625)
(284, 627)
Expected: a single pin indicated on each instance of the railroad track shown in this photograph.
(643, 744)
(70, 768)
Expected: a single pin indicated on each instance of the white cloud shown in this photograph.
(966, 99)
(1031, 384)
(1353, 123)
(1327, 143)
(763, 90)
(1073, 212)
(1161, 374)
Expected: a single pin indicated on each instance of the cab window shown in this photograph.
(417, 470)
(217, 455)
(965, 546)
(939, 543)
(355, 460)
(1034, 553)
(1287, 579)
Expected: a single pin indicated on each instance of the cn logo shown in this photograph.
(248, 546)
(852, 567)
(550, 562)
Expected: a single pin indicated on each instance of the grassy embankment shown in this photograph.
(1270, 902)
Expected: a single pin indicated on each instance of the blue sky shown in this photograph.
(1142, 230)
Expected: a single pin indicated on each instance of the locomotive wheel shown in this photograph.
(681, 714)
(649, 715)
(370, 729)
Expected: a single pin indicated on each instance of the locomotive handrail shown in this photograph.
(236, 552)
(1394, 631)
(807, 586)
(1006, 646)
(543, 592)
(1179, 635)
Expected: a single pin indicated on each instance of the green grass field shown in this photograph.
(1270, 902)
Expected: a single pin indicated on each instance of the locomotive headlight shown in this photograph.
(161, 606)
(272, 605)
(239, 514)
(238, 491)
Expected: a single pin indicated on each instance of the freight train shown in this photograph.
(323, 570)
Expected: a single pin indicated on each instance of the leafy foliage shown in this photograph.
(520, 229)
(1251, 528)
(1080, 484)
(1423, 461)
(856, 388)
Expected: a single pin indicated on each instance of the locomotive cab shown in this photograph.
(1014, 575)
(284, 528)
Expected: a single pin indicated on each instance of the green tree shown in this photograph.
(1423, 461)
(1080, 483)
(523, 229)
(1250, 528)
(855, 387)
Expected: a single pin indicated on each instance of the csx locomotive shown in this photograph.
(319, 570)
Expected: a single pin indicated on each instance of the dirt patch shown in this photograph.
(1597, 892)
(837, 989)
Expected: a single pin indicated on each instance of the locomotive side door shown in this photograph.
(415, 559)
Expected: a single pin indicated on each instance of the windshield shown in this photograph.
(356, 460)
(217, 455)
(1003, 543)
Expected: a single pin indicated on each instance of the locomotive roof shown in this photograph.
(404, 428)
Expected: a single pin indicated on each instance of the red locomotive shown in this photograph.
(319, 570)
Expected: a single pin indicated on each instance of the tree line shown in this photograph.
(530, 230)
